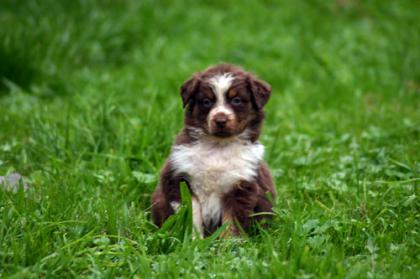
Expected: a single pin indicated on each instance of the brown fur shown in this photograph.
(246, 197)
(253, 92)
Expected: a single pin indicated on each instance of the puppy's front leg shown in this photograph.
(238, 206)
(167, 197)
(197, 217)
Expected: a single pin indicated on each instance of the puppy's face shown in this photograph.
(224, 101)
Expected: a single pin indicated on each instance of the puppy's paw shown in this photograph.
(175, 205)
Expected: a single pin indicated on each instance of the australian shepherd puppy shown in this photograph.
(218, 154)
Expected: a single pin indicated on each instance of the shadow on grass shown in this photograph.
(16, 67)
(43, 47)
(20, 68)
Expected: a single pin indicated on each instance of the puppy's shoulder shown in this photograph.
(183, 138)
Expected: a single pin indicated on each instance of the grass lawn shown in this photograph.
(89, 106)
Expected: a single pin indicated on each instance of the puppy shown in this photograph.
(218, 154)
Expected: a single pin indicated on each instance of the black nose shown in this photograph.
(220, 120)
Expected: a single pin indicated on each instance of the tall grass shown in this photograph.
(89, 107)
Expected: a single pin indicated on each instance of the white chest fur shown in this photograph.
(214, 168)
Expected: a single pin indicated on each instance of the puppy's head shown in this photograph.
(224, 101)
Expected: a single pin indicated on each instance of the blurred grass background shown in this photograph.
(89, 106)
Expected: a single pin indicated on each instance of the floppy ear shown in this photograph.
(260, 90)
(188, 89)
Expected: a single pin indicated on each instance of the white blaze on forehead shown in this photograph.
(220, 84)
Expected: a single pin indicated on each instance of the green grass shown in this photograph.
(89, 106)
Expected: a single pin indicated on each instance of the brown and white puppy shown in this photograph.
(218, 153)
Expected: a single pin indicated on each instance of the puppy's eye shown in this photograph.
(236, 101)
(206, 102)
